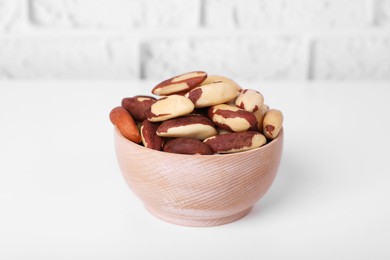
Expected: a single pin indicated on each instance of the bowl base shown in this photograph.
(196, 222)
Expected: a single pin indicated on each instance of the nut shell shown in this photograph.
(212, 94)
(232, 118)
(138, 106)
(250, 100)
(191, 126)
(150, 139)
(179, 84)
(217, 78)
(235, 142)
(259, 114)
(272, 123)
(187, 146)
(125, 124)
(170, 107)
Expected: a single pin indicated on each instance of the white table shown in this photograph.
(62, 195)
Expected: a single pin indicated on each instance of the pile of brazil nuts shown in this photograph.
(198, 113)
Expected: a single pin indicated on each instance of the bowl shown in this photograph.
(198, 190)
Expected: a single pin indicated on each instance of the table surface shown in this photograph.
(62, 195)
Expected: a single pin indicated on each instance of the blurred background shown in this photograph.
(287, 40)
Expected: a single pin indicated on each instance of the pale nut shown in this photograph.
(149, 137)
(235, 142)
(184, 145)
(272, 123)
(191, 126)
(259, 114)
(125, 123)
(250, 100)
(170, 107)
(232, 118)
(212, 94)
(217, 78)
(138, 106)
(179, 84)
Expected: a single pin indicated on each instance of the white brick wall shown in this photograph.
(243, 39)
(382, 12)
(117, 14)
(286, 14)
(357, 58)
(10, 14)
(68, 57)
(239, 57)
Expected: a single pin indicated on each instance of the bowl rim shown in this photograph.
(138, 146)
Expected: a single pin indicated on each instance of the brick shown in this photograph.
(286, 14)
(10, 14)
(115, 13)
(352, 58)
(242, 58)
(382, 12)
(68, 57)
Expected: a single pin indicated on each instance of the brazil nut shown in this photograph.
(138, 106)
(184, 145)
(191, 126)
(125, 124)
(259, 114)
(179, 84)
(170, 107)
(217, 78)
(149, 137)
(232, 118)
(198, 113)
(212, 94)
(272, 123)
(235, 142)
(250, 100)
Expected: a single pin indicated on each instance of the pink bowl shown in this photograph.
(198, 190)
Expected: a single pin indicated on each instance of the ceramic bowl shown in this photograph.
(198, 190)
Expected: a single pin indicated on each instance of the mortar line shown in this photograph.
(310, 58)
(202, 13)
(372, 12)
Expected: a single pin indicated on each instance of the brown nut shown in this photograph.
(150, 139)
(191, 126)
(250, 100)
(179, 84)
(232, 118)
(212, 94)
(217, 78)
(235, 142)
(272, 123)
(138, 106)
(259, 114)
(125, 124)
(184, 145)
(170, 107)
